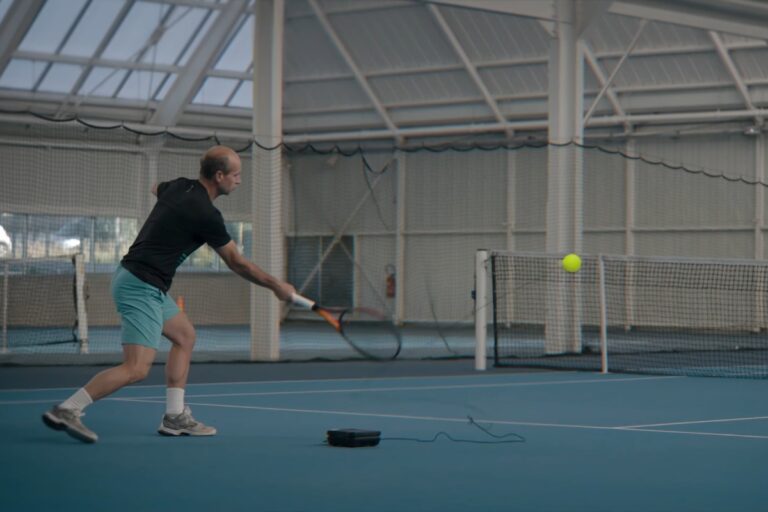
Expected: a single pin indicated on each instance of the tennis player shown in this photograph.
(182, 220)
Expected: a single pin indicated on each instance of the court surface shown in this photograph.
(592, 442)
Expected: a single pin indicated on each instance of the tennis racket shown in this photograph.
(369, 332)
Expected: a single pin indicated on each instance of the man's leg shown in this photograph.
(137, 360)
(178, 419)
(181, 333)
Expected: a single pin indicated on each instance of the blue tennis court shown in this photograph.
(583, 441)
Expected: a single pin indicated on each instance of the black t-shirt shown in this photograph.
(182, 220)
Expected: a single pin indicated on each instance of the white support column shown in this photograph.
(761, 322)
(564, 184)
(400, 239)
(511, 177)
(760, 176)
(630, 200)
(4, 311)
(267, 169)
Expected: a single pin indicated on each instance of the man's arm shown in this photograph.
(250, 272)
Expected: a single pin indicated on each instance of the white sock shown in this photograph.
(174, 401)
(79, 401)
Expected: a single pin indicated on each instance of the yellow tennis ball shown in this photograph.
(571, 263)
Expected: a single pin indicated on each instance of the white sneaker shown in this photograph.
(69, 420)
(184, 425)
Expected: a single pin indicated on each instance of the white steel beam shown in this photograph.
(468, 65)
(539, 9)
(616, 68)
(727, 61)
(679, 14)
(18, 19)
(587, 11)
(359, 76)
(597, 70)
(188, 82)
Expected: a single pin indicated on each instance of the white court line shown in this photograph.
(444, 419)
(415, 388)
(697, 422)
(686, 432)
(381, 390)
(293, 381)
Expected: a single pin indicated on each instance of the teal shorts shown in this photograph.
(143, 308)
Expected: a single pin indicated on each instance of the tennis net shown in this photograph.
(631, 314)
(42, 305)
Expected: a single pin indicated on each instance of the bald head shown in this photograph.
(218, 158)
(220, 171)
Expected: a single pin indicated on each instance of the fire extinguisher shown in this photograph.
(390, 280)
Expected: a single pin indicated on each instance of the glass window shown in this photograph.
(135, 30)
(102, 240)
(244, 96)
(141, 85)
(92, 28)
(215, 91)
(165, 87)
(181, 28)
(199, 34)
(51, 25)
(102, 82)
(4, 5)
(60, 78)
(22, 74)
(238, 54)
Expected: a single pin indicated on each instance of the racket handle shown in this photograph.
(302, 301)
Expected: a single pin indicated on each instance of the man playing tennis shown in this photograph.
(182, 220)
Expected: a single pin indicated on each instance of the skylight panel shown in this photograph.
(4, 5)
(133, 34)
(166, 85)
(102, 82)
(237, 55)
(141, 85)
(22, 74)
(243, 98)
(51, 25)
(92, 27)
(60, 78)
(199, 34)
(181, 28)
(215, 91)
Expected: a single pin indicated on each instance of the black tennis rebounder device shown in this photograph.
(352, 437)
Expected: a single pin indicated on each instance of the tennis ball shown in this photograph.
(571, 263)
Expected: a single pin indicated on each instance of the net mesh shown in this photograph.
(39, 301)
(659, 315)
(394, 229)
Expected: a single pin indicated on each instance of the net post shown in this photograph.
(481, 302)
(603, 315)
(4, 349)
(82, 315)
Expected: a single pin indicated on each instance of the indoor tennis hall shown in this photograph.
(383, 255)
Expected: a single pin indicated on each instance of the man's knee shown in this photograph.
(137, 371)
(185, 337)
